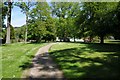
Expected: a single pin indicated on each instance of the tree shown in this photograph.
(50, 30)
(8, 21)
(103, 23)
(25, 6)
(20, 33)
(3, 13)
(116, 21)
(42, 26)
(96, 18)
(65, 12)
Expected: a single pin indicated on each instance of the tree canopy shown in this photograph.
(46, 21)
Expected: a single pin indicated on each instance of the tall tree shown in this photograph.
(8, 21)
(25, 7)
(42, 24)
(103, 23)
(97, 17)
(65, 11)
(116, 20)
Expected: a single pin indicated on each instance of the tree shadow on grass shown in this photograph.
(27, 64)
(106, 47)
(75, 64)
(114, 41)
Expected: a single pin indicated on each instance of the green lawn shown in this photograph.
(16, 57)
(91, 60)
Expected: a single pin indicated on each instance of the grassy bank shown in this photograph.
(17, 57)
(91, 60)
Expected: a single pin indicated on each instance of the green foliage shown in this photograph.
(66, 14)
(25, 6)
(20, 33)
(12, 34)
(96, 19)
(69, 20)
(3, 13)
(42, 25)
(116, 20)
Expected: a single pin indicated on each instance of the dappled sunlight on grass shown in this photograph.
(79, 60)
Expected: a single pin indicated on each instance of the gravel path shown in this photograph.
(43, 66)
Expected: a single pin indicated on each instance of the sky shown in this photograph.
(17, 18)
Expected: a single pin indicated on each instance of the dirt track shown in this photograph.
(43, 66)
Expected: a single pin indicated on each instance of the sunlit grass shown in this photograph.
(92, 60)
(112, 41)
(14, 56)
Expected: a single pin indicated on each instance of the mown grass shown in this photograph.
(16, 57)
(91, 60)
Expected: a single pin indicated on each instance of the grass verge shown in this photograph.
(17, 57)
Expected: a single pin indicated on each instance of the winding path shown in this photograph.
(43, 66)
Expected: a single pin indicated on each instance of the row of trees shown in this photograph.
(100, 19)
(46, 21)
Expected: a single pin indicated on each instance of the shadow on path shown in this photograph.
(43, 66)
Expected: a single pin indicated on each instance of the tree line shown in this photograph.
(46, 21)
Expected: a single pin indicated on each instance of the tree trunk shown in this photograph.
(101, 39)
(26, 27)
(45, 40)
(91, 38)
(8, 22)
